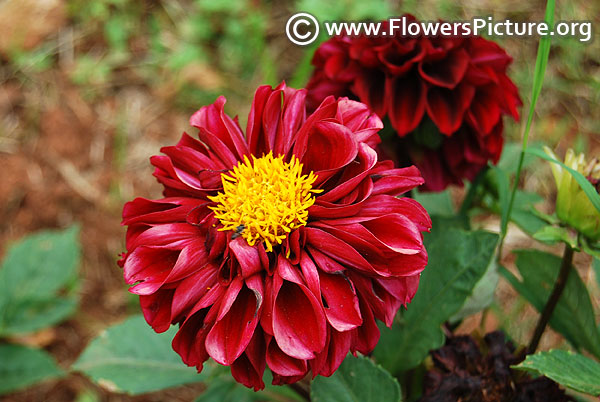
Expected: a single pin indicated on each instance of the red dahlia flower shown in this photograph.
(444, 96)
(280, 247)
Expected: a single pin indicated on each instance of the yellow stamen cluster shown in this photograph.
(265, 199)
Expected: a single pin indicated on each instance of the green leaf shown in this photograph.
(21, 366)
(436, 203)
(457, 261)
(450, 222)
(130, 357)
(566, 368)
(482, 296)
(591, 249)
(524, 214)
(21, 316)
(573, 316)
(357, 379)
(33, 272)
(554, 234)
(41, 264)
(585, 185)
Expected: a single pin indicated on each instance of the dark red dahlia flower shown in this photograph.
(444, 96)
(279, 247)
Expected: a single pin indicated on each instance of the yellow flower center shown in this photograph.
(265, 199)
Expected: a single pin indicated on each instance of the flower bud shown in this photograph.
(573, 207)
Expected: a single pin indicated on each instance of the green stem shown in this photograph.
(559, 287)
(538, 79)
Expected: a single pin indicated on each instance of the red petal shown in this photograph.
(213, 119)
(157, 309)
(407, 95)
(349, 205)
(189, 340)
(266, 319)
(247, 256)
(431, 164)
(403, 288)
(231, 293)
(447, 107)
(330, 146)
(293, 117)
(283, 380)
(360, 120)
(397, 232)
(383, 204)
(191, 258)
(336, 249)
(341, 308)
(272, 117)
(299, 324)
(357, 116)
(401, 56)
(447, 72)
(352, 174)
(325, 263)
(173, 235)
(396, 181)
(326, 110)
(254, 129)
(484, 112)
(149, 263)
(176, 181)
(366, 336)
(369, 86)
(310, 274)
(221, 150)
(231, 334)
(487, 52)
(190, 290)
(511, 97)
(283, 364)
(248, 369)
(166, 210)
(330, 359)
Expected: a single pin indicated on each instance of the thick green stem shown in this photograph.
(559, 287)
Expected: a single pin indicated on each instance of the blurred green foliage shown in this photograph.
(196, 49)
(38, 282)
